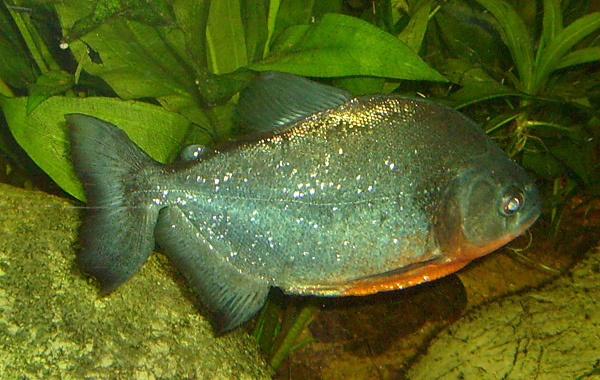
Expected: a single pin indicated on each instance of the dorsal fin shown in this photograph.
(274, 100)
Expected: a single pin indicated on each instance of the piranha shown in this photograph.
(332, 195)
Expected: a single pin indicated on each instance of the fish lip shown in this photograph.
(477, 251)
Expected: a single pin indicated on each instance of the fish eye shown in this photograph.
(512, 202)
(192, 152)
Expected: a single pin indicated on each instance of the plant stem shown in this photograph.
(287, 345)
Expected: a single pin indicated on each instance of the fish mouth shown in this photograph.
(466, 251)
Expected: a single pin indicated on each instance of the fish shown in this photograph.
(328, 195)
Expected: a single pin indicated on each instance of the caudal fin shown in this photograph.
(117, 232)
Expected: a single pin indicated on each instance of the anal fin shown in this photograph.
(232, 297)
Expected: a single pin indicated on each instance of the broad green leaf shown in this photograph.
(255, 17)
(413, 33)
(469, 35)
(562, 43)
(341, 45)
(577, 57)
(156, 12)
(551, 25)
(513, 32)
(477, 85)
(530, 12)
(42, 133)
(48, 84)
(225, 37)
(137, 60)
(361, 85)
(321, 8)
(290, 13)
(192, 17)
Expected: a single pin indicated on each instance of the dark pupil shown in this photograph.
(513, 204)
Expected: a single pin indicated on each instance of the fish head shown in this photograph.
(485, 204)
(489, 203)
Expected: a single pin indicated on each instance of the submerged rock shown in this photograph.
(546, 334)
(53, 323)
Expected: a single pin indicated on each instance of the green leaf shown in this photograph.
(413, 33)
(551, 26)
(477, 85)
(42, 134)
(138, 60)
(34, 42)
(15, 68)
(465, 72)
(469, 35)
(513, 32)
(225, 37)
(562, 43)
(577, 57)
(321, 8)
(481, 91)
(156, 12)
(383, 11)
(191, 17)
(361, 85)
(341, 45)
(48, 84)
(289, 13)
(255, 16)
(272, 14)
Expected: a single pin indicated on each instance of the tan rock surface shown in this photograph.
(54, 325)
(547, 334)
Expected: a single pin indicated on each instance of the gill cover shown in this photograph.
(486, 207)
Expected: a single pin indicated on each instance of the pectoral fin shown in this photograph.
(232, 297)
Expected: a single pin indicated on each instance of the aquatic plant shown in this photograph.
(189, 57)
